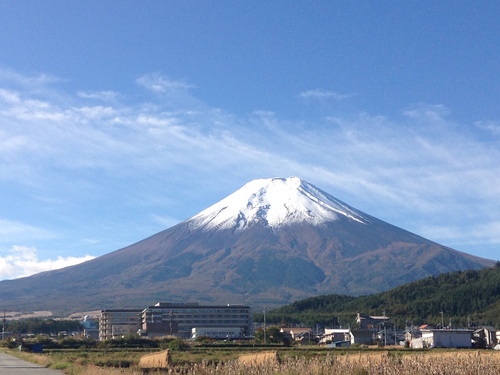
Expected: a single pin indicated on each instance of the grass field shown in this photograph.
(311, 360)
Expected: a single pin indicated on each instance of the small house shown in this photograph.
(298, 334)
(484, 337)
(443, 338)
(337, 335)
(371, 321)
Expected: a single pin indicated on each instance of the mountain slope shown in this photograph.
(271, 242)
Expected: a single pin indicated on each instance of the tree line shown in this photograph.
(43, 326)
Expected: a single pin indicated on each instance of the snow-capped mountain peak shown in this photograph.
(274, 202)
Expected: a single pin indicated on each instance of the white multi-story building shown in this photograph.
(115, 323)
(216, 332)
(180, 318)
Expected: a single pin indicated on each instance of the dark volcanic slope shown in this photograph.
(258, 266)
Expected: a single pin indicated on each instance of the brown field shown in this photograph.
(292, 362)
(259, 359)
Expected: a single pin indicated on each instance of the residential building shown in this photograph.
(371, 329)
(337, 335)
(115, 323)
(484, 337)
(443, 338)
(365, 336)
(371, 322)
(298, 334)
(179, 319)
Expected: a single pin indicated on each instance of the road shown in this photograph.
(10, 365)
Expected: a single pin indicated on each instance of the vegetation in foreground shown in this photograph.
(297, 361)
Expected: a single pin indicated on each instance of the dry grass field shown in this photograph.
(348, 362)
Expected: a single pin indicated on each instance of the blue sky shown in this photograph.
(119, 119)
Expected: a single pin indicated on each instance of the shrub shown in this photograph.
(178, 344)
(121, 363)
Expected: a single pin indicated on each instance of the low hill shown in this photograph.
(465, 298)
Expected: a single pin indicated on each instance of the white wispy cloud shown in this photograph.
(27, 81)
(9, 96)
(323, 94)
(491, 126)
(428, 112)
(485, 234)
(23, 261)
(99, 95)
(158, 83)
(11, 231)
(165, 221)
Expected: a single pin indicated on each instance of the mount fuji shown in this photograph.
(269, 243)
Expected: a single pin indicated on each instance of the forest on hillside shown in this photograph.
(460, 299)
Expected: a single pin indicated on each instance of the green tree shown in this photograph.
(273, 336)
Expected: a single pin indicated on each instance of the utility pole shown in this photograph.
(442, 319)
(385, 336)
(385, 331)
(3, 326)
(264, 326)
(170, 324)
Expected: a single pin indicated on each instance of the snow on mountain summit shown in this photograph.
(273, 202)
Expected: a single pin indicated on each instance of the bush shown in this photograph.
(204, 339)
(118, 363)
(178, 344)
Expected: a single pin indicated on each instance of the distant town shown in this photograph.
(232, 322)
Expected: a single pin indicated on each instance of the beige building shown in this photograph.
(115, 323)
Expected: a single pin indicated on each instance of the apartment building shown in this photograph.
(179, 319)
(115, 323)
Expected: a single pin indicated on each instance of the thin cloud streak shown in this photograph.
(11, 231)
(492, 127)
(323, 94)
(99, 95)
(158, 83)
